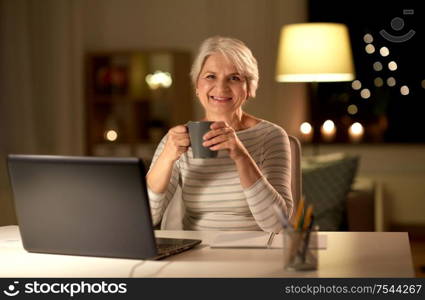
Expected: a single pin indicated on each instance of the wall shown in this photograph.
(151, 24)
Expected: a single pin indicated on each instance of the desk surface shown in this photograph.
(348, 254)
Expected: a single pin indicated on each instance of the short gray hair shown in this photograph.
(236, 52)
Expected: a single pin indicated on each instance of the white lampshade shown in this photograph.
(310, 52)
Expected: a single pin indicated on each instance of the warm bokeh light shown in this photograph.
(392, 66)
(370, 49)
(378, 82)
(356, 128)
(404, 90)
(356, 132)
(423, 83)
(352, 109)
(391, 81)
(328, 126)
(328, 130)
(111, 135)
(306, 128)
(377, 66)
(365, 93)
(159, 79)
(368, 38)
(306, 132)
(356, 85)
(384, 51)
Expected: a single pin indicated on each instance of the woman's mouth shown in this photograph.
(220, 99)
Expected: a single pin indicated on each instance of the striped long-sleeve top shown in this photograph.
(212, 194)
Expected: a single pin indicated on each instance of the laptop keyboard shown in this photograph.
(165, 245)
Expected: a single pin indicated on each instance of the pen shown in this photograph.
(307, 217)
(282, 218)
(270, 241)
(307, 239)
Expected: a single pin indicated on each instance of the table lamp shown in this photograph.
(314, 52)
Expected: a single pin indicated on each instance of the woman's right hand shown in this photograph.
(178, 142)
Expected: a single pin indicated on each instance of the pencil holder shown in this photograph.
(300, 250)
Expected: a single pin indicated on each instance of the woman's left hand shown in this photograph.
(221, 137)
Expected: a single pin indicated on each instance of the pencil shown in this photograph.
(298, 214)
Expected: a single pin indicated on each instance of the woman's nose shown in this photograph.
(222, 85)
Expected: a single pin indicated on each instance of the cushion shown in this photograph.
(327, 180)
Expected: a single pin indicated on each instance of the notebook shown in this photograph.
(260, 239)
(88, 206)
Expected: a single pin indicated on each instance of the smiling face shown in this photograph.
(220, 87)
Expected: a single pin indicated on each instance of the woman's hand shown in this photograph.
(158, 177)
(222, 137)
(178, 142)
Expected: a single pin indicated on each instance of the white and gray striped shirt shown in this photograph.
(212, 194)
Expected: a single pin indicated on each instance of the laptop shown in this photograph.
(89, 206)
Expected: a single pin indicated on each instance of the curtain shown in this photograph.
(41, 73)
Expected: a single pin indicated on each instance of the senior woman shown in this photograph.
(236, 190)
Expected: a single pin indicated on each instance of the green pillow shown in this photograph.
(326, 182)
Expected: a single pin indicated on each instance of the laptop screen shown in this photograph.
(82, 205)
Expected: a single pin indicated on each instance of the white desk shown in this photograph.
(348, 254)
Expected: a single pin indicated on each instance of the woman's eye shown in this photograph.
(210, 76)
(235, 78)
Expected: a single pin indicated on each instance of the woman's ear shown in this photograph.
(248, 93)
(248, 90)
